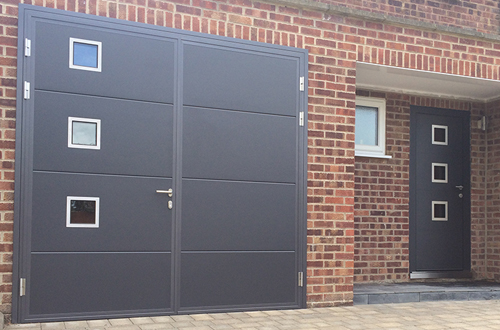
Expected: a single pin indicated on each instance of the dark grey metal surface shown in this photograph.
(225, 216)
(237, 279)
(99, 282)
(131, 132)
(239, 129)
(133, 217)
(439, 245)
(244, 149)
(229, 78)
(134, 66)
(232, 145)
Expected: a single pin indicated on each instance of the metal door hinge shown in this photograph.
(26, 90)
(27, 47)
(301, 84)
(301, 279)
(301, 118)
(22, 287)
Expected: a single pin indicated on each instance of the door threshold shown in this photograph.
(441, 274)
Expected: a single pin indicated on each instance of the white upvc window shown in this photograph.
(370, 127)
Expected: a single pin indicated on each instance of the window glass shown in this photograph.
(439, 172)
(439, 134)
(85, 55)
(369, 134)
(82, 212)
(366, 125)
(84, 133)
(439, 211)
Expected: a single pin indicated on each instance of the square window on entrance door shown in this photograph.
(82, 212)
(439, 173)
(440, 134)
(85, 54)
(84, 133)
(439, 211)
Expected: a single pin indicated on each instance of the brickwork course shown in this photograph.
(357, 207)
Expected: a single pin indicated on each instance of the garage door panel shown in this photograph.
(237, 279)
(130, 131)
(239, 146)
(132, 216)
(228, 209)
(96, 283)
(228, 78)
(138, 67)
(213, 119)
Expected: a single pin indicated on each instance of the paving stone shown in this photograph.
(125, 327)
(76, 324)
(98, 323)
(141, 320)
(53, 325)
(156, 326)
(162, 319)
(182, 318)
(26, 326)
(118, 322)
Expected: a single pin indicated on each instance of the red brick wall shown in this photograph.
(492, 238)
(480, 15)
(335, 43)
(478, 186)
(381, 213)
(381, 200)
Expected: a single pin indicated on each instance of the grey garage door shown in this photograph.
(158, 171)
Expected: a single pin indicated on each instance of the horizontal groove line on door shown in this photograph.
(101, 252)
(103, 97)
(239, 252)
(104, 174)
(239, 111)
(239, 181)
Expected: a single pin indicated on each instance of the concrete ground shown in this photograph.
(434, 315)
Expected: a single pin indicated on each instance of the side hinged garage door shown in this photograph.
(158, 171)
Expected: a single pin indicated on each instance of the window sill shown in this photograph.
(371, 154)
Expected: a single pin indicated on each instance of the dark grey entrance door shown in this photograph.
(439, 192)
(159, 171)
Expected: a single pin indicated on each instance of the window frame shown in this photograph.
(87, 42)
(84, 120)
(377, 151)
(82, 225)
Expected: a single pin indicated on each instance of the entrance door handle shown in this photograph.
(459, 187)
(169, 192)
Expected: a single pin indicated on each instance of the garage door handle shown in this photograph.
(169, 192)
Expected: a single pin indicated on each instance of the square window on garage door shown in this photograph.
(84, 133)
(85, 54)
(82, 212)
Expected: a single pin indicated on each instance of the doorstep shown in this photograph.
(374, 293)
